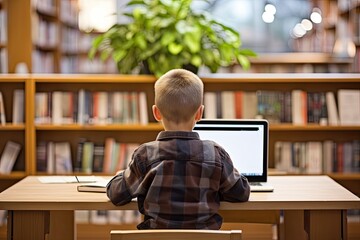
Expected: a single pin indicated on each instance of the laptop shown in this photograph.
(246, 141)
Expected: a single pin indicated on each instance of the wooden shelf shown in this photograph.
(13, 175)
(286, 78)
(298, 58)
(12, 127)
(158, 127)
(109, 127)
(314, 127)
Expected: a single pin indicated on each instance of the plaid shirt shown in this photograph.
(179, 181)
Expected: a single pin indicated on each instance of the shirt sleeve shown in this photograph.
(117, 190)
(123, 187)
(234, 187)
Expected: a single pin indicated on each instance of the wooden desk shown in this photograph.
(316, 204)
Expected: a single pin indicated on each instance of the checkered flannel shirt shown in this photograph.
(179, 181)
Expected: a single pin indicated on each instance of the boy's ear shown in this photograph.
(156, 113)
(199, 113)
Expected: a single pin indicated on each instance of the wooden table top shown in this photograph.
(290, 193)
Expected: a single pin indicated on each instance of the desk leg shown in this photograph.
(29, 225)
(294, 225)
(34, 225)
(62, 225)
(325, 224)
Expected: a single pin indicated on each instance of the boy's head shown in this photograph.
(179, 95)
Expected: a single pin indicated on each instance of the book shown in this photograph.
(238, 104)
(299, 107)
(87, 157)
(57, 107)
(50, 157)
(314, 151)
(143, 114)
(108, 153)
(98, 158)
(79, 154)
(41, 164)
(81, 107)
(117, 101)
(2, 110)
(328, 156)
(99, 186)
(210, 105)
(228, 104)
(9, 156)
(63, 162)
(18, 106)
(332, 110)
(349, 106)
(43, 107)
(249, 105)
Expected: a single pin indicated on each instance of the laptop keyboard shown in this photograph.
(254, 184)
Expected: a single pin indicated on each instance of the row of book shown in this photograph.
(316, 157)
(86, 107)
(296, 106)
(43, 62)
(100, 217)
(45, 33)
(9, 156)
(91, 157)
(107, 217)
(17, 109)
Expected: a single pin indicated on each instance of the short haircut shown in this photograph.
(178, 95)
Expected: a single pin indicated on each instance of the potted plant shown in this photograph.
(167, 34)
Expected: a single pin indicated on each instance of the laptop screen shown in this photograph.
(246, 141)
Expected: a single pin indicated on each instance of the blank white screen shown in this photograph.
(246, 148)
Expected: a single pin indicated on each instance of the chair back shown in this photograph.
(175, 234)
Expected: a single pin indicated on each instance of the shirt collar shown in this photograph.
(165, 135)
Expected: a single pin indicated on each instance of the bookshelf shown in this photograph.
(30, 134)
(324, 49)
(45, 36)
(14, 132)
(298, 62)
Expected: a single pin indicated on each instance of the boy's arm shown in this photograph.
(123, 186)
(234, 186)
(240, 192)
(117, 190)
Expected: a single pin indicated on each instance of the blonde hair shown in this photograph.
(178, 95)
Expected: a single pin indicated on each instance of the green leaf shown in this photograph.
(196, 60)
(141, 41)
(175, 48)
(104, 55)
(192, 41)
(137, 13)
(167, 38)
(247, 52)
(244, 61)
(226, 53)
(97, 41)
(118, 55)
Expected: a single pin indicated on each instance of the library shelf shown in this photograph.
(16, 175)
(311, 127)
(12, 127)
(30, 134)
(108, 127)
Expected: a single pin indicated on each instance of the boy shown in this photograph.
(178, 179)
